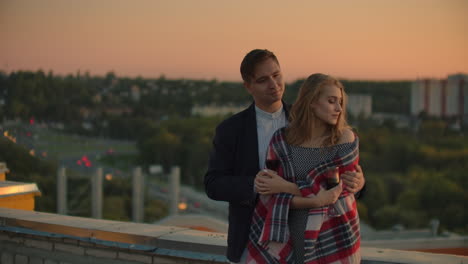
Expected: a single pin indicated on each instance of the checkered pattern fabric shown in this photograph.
(328, 239)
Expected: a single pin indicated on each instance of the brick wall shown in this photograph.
(35, 237)
(28, 237)
(22, 248)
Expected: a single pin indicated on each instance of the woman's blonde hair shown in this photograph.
(302, 118)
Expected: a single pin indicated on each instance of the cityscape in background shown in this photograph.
(136, 150)
(120, 123)
(108, 111)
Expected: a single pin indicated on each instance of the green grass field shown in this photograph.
(60, 145)
(70, 145)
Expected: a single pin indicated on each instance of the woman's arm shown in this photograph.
(354, 181)
(322, 198)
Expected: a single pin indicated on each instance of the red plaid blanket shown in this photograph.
(327, 239)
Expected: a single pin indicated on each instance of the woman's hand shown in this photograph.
(268, 182)
(327, 197)
(321, 199)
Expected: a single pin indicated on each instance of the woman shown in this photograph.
(309, 224)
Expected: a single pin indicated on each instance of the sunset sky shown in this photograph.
(206, 39)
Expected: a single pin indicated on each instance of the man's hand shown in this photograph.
(353, 181)
(268, 182)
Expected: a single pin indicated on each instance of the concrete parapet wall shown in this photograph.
(33, 237)
(419, 243)
(18, 248)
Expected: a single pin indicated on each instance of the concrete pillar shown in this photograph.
(138, 195)
(434, 223)
(174, 190)
(62, 191)
(3, 171)
(96, 194)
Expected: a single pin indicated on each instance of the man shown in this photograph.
(240, 144)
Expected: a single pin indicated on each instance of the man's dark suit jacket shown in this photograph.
(231, 172)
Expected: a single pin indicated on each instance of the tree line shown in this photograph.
(413, 175)
(81, 97)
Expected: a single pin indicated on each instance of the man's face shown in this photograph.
(267, 85)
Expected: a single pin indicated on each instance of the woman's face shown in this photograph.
(328, 106)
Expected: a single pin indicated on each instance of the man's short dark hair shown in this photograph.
(251, 60)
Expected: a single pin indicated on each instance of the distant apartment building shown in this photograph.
(441, 98)
(213, 110)
(359, 105)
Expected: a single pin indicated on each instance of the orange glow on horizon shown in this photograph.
(361, 39)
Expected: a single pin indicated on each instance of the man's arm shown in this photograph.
(267, 182)
(220, 182)
(354, 181)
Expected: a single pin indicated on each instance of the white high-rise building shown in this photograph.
(457, 94)
(359, 104)
(441, 98)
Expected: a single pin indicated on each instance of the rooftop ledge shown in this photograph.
(84, 240)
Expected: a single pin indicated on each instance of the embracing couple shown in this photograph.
(290, 173)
